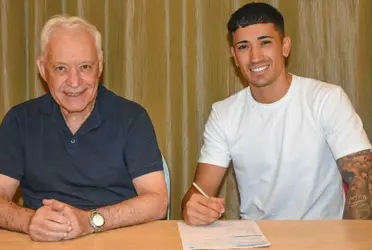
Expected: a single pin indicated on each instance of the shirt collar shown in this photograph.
(93, 120)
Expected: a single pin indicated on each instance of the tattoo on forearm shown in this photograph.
(356, 170)
(357, 199)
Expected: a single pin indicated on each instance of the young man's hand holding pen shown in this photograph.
(201, 209)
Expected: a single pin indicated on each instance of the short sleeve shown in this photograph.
(215, 148)
(11, 147)
(141, 152)
(342, 126)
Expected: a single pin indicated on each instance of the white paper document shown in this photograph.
(223, 234)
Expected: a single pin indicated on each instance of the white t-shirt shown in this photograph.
(284, 153)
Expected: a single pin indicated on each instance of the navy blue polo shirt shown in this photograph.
(93, 168)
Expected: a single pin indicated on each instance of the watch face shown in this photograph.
(98, 220)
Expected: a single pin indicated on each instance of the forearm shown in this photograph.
(359, 198)
(358, 203)
(14, 217)
(356, 169)
(137, 210)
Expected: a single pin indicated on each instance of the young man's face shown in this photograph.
(260, 51)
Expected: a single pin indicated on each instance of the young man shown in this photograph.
(86, 159)
(288, 137)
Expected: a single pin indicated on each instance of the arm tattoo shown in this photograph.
(356, 170)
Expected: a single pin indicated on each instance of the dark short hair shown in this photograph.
(255, 13)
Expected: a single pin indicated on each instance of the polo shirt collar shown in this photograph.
(93, 120)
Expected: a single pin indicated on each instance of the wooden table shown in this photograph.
(283, 235)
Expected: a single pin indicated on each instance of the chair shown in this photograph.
(168, 183)
(346, 187)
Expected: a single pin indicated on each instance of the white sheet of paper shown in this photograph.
(223, 234)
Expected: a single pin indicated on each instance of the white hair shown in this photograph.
(65, 21)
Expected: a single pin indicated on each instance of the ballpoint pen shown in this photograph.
(200, 190)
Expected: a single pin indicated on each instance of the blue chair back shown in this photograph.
(168, 182)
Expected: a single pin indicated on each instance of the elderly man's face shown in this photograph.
(72, 68)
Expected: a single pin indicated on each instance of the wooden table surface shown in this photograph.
(283, 235)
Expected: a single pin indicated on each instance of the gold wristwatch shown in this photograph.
(96, 220)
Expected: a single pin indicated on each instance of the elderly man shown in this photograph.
(86, 159)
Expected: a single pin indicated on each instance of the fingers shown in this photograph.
(38, 234)
(48, 229)
(221, 202)
(54, 204)
(200, 210)
(48, 232)
(213, 203)
(56, 207)
(56, 217)
(50, 221)
(48, 225)
(194, 217)
(57, 220)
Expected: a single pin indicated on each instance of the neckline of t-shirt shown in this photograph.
(279, 102)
